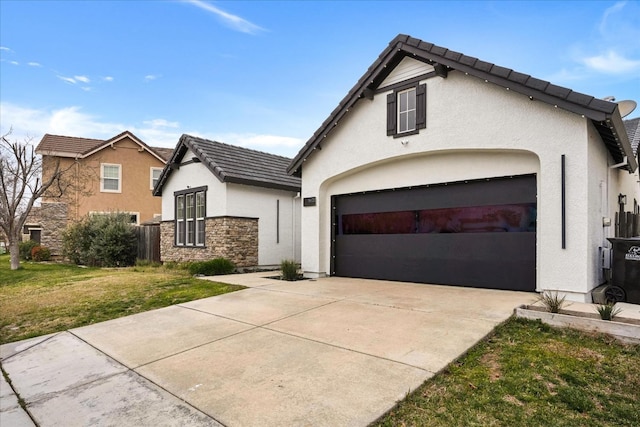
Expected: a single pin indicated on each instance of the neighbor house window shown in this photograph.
(407, 110)
(190, 216)
(110, 178)
(155, 176)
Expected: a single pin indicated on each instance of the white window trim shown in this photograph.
(102, 189)
(399, 112)
(151, 175)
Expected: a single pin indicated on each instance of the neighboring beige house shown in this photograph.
(440, 168)
(113, 175)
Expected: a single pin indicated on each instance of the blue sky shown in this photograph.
(265, 74)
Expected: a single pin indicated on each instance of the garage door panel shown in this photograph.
(480, 233)
(448, 259)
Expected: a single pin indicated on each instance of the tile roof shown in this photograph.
(66, 144)
(71, 146)
(234, 164)
(604, 114)
(633, 130)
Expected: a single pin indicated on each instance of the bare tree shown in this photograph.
(21, 184)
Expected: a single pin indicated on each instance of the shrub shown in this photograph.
(40, 253)
(552, 301)
(25, 249)
(289, 269)
(212, 267)
(608, 311)
(102, 241)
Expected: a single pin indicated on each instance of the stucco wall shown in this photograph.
(474, 130)
(277, 241)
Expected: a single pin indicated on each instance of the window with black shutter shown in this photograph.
(407, 110)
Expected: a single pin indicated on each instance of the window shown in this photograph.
(110, 178)
(190, 216)
(180, 220)
(407, 111)
(200, 208)
(155, 176)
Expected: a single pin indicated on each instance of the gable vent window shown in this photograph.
(407, 111)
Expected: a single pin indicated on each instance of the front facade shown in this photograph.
(100, 176)
(440, 168)
(219, 200)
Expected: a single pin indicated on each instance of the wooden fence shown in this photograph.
(148, 242)
(628, 223)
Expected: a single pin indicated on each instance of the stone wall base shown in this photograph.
(233, 238)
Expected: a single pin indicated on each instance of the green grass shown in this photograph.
(42, 298)
(528, 374)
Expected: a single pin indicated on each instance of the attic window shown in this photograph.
(407, 110)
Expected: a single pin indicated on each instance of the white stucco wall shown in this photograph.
(191, 176)
(474, 130)
(275, 243)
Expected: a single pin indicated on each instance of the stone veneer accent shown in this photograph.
(233, 238)
(52, 218)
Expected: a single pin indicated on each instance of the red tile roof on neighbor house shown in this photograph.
(71, 146)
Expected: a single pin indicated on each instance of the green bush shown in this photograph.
(40, 253)
(101, 240)
(25, 249)
(212, 268)
(289, 269)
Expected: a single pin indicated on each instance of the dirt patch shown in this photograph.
(491, 361)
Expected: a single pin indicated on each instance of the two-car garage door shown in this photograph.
(478, 233)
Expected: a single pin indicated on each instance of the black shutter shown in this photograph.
(392, 114)
(421, 106)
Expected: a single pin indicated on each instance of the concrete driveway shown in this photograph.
(328, 352)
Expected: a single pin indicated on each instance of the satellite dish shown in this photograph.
(626, 107)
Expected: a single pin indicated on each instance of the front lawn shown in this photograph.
(43, 298)
(529, 374)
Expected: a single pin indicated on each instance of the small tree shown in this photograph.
(21, 184)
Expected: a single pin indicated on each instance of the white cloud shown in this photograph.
(70, 121)
(161, 123)
(34, 64)
(107, 79)
(83, 79)
(150, 77)
(605, 21)
(276, 144)
(611, 62)
(5, 48)
(73, 121)
(86, 88)
(67, 79)
(235, 22)
(14, 63)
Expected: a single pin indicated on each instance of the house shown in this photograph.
(219, 200)
(99, 176)
(440, 168)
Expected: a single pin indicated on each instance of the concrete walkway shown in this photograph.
(327, 352)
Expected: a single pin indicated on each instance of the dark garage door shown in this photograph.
(477, 233)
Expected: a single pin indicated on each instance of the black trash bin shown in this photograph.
(625, 271)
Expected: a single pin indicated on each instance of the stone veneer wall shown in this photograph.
(233, 238)
(52, 218)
